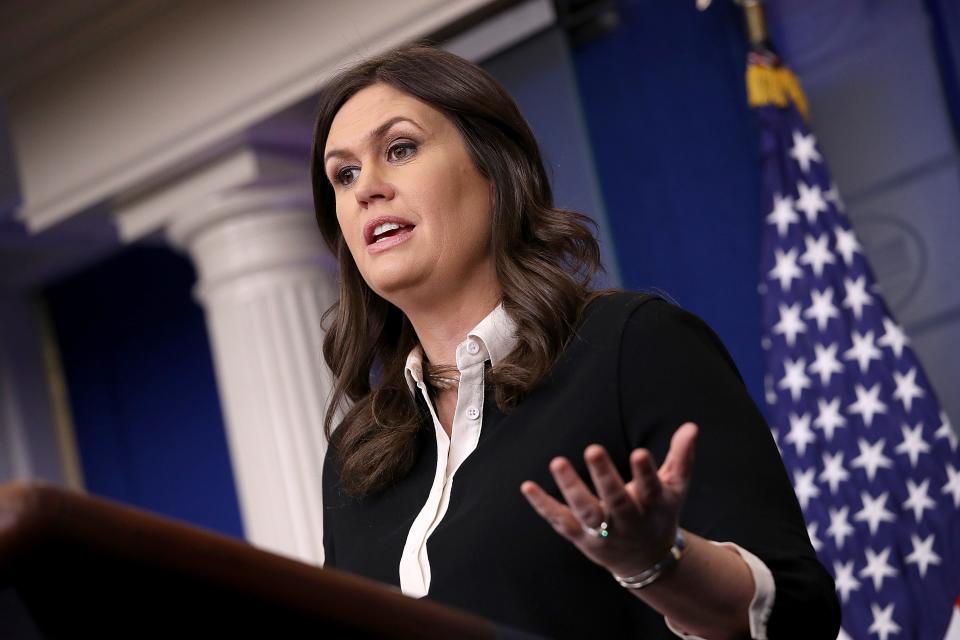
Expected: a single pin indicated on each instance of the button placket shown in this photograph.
(495, 334)
(414, 561)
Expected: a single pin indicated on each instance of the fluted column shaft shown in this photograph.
(264, 279)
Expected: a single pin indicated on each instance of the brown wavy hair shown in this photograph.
(545, 261)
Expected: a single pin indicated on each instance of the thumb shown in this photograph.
(678, 466)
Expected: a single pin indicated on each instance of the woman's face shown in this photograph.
(396, 161)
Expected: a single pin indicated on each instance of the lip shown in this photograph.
(392, 241)
(373, 223)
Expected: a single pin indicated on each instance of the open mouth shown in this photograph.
(383, 228)
(388, 230)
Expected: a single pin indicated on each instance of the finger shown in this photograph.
(583, 503)
(647, 486)
(551, 510)
(676, 470)
(609, 484)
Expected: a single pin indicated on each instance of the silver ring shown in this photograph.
(602, 530)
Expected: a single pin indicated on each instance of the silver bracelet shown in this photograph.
(646, 577)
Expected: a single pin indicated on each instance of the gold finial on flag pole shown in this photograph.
(768, 82)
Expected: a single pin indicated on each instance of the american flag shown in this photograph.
(873, 458)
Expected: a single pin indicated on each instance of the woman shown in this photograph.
(488, 383)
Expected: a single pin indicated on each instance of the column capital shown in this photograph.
(251, 236)
(221, 184)
(230, 206)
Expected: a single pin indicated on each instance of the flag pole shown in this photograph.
(756, 20)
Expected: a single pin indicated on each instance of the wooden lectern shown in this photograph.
(77, 566)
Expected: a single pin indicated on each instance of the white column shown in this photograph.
(264, 279)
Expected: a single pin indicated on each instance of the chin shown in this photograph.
(394, 284)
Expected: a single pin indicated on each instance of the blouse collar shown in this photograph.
(495, 335)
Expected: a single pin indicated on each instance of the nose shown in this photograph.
(372, 186)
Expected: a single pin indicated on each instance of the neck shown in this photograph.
(443, 325)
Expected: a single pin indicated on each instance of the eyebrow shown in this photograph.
(376, 134)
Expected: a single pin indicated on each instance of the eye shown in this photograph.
(401, 150)
(346, 175)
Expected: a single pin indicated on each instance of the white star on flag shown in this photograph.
(893, 337)
(804, 150)
(790, 323)
(786, 269)
(946, 431)
(871, 458)
(883, 624)
(863, 350)
(845, 581)
(800, 434)
(923, 554)
(783, 214)
(794, 378)
(907, 388)
(826, 363)
(952, 485)
(874, 511)
(840, 528)
(833, 471)
(810, 201)
(829, 418)
(919, 499)
(817, 254)
(913, 443)
(847, 244)
(857, 297)
(868, 403)
(821, 307)
(804, 486)
(877, 567)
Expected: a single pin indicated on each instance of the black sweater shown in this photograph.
(636, 369)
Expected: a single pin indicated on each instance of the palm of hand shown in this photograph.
(641, 515)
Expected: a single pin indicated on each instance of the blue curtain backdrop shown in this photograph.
(540, 75)
(142, 389)
(676, 150)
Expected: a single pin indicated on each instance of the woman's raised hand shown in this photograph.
(641, 516)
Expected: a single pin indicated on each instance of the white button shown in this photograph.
(473, 413)
(473, 348)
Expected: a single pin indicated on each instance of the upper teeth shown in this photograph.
(383, 228)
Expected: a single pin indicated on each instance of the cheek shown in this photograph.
(347, 230)
(476, 205)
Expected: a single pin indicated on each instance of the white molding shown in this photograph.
(37, 42)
